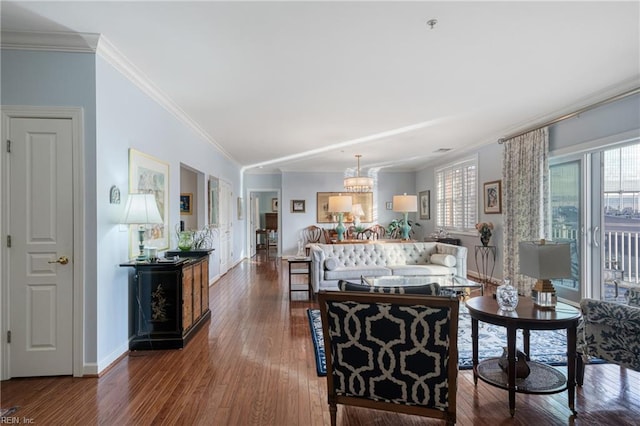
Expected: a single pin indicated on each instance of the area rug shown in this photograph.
(315, 322)
(547, 346)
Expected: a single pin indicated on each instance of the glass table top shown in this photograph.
(445, 281)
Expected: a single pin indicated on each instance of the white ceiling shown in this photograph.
(304, 86)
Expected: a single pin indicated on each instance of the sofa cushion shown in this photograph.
(356, 272)
(432, 289)
(430, 269)
(331, 263)
(443, 259)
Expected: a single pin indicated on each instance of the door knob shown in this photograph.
(63, 260)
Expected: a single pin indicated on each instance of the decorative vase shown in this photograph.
(185, 240)
(485, 240)
(507, 296)
(522, 368)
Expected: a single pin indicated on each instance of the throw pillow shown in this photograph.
(443, 259)
(432, 289)
(330, 263)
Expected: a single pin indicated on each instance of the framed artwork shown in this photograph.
(213, 201)
(424, 199)
(240, 208)
(149, 175)
(363, 198)
(492, 197)
(298, 206)
(185, 203)
(389, 205)
(274, 204)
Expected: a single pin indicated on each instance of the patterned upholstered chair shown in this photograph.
(610, 331)
(391, 352)
(432, 289)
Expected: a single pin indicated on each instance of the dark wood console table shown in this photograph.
(526, 317)
(169, 301)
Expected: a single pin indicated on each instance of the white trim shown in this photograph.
(99, 44)
(50, 41)
(77, 119)
(120, 62)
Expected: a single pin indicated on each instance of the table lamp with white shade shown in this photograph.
(405, 204)
(340, 204)
(545, 261)
(357, 212)
(142, 210)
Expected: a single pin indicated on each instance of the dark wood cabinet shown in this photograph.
(170, 302)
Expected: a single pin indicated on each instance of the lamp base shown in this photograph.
(340, 228)
(141, 256)
(544, 296)
(405, 227)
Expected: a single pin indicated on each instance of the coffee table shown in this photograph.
(543, 378)
(455, 284)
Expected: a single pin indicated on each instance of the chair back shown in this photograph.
(312, 234)
(391, 352)
(379, 231)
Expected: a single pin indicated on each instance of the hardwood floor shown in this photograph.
(253, 364)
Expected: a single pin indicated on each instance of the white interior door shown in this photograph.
(225, 226)
(40, 223)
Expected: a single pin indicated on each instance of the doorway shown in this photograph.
(42, 187)
(264, 210)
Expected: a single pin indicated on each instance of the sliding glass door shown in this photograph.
(566, 182)
(595, 207)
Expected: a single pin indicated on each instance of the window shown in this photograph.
(457, 196)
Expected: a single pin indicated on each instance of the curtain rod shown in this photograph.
(573, 114)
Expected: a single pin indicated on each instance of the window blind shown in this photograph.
(456, 196)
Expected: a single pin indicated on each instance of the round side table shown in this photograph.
(543, 379)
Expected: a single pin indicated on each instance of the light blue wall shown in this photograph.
(305, 186)
(33, 78)
(142, 124)
(117, 116)
(611, 119)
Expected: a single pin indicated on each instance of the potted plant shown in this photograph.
(395, 227)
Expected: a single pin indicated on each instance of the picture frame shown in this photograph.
(424, 204)
(389, 205)
(149, 175)
(363, 198)
(240, 206)
(274, 204)
(213, 201)
(186, 200)
(492, 197)
(298, 206)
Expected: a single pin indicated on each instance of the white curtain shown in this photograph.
(525, 171)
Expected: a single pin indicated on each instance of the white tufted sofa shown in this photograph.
(333, 262)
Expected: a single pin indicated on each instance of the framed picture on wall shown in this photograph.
(240, 205)
(274, 204)
(365, 199)
(297, 206)
(185, 203)
(149, 175)
(492, 197)
(424, 200)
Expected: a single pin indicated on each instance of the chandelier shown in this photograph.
(358, 183)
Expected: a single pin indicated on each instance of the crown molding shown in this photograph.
(99, 44)
(113, 56)
(50, 41)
